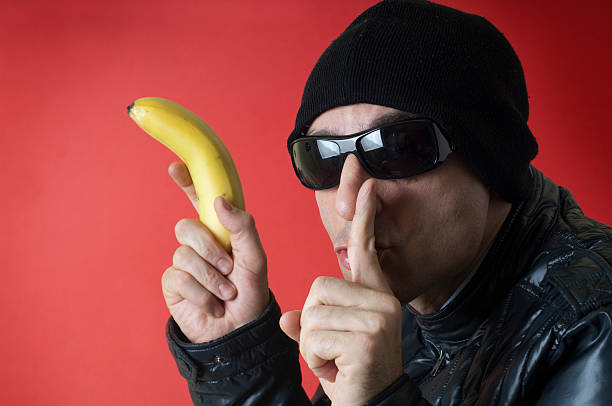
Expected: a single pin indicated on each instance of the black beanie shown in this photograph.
(437, 62)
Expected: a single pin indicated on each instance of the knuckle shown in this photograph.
(206, 251)
(303, 345)
(206, 247)
(182, 280)
(208, 276)
(203, 301)
(387, 302)
(310, 359)
(320, 283)
(182, 255)
(248, 221)
(394, 306)
(166, 277)
(247, 225)
(309, 316)
(378, 321)
(180, 226)
(305, 318)
(309, 347)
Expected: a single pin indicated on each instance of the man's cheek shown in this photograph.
(326, 219)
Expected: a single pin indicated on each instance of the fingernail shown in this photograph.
(227, 291)
(224, 266)
(227, 205)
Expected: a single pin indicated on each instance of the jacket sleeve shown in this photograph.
(256, 364)
(402, 392)
(583, 369)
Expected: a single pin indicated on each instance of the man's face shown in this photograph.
(430, 229)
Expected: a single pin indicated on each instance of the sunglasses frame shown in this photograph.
(348, 145)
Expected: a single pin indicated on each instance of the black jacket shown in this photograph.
(532, 326)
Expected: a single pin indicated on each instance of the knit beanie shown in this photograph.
(452, 67)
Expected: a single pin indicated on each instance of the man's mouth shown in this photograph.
(342, 253)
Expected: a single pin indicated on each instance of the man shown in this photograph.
(469, 277)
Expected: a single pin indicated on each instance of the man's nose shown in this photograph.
(352, 177)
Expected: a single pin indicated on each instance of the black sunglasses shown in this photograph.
(394, 151)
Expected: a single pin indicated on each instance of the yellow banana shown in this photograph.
(209, 162)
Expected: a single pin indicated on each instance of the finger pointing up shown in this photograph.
(365, 267)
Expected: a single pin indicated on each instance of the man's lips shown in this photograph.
(342, 252)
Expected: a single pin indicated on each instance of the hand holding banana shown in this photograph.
(208, 291)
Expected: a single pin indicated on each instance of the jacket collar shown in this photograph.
(508, 258)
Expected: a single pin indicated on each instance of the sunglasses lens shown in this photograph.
(317, 162)
(401, 150)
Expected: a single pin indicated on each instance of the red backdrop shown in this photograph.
(88, 210)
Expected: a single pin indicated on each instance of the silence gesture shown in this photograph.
(350, 331)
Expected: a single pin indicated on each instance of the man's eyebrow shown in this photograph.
(379, 121)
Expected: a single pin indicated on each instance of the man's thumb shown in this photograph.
(241, 225)
(290, 324)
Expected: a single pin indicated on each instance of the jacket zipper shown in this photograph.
(438, 364)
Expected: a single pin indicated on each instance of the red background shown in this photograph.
(88, 210)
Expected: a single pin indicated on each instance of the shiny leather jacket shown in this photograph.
(532, 326)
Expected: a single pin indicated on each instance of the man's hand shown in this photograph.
(350, 331)
(193, 286)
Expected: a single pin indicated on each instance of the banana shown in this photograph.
(209, 162)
